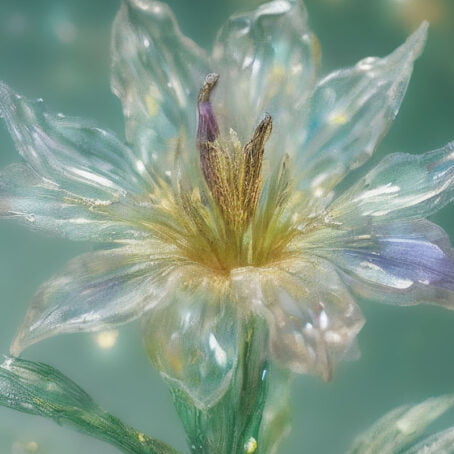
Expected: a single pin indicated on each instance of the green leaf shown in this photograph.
(398, 429)
(39, 389)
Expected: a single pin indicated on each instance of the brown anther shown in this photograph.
(232, 173)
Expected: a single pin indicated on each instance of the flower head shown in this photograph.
(224, 204)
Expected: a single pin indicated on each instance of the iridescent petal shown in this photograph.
(97, 291)
(156, 73)
(350, 110)
(193, 341)
(313, 319)
(267, 60)
(400, 186)
(402, 262)
(71, 153)
(43, 205)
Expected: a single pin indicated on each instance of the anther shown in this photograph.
(208, 128)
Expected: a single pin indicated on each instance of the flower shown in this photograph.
(241, 215)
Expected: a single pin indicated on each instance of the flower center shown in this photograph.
(238, 214)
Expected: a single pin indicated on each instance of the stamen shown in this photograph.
(208, 128)
(253, 159)
(232, 172)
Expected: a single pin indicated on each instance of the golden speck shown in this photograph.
(141, 437)
(151, 102)
(250, 446)
(338, 119)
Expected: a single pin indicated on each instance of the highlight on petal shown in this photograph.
(402, 262)
(398, 429)
(401, 186)
(193, 339)
(349, 112)
(313, 320)
(43, 205)
(268, 60)
(99, 290)
(156, 73)
(78, 180)
(69, 152)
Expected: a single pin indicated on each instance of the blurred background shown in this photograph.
(59, 50)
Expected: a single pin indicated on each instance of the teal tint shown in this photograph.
(58, 50)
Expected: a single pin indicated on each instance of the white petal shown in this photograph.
(194, 340)
(71, 153)
(401, 186)
(97, 291)
(312, 318)
(349, 112)
(267, 60)
(157, 73)
(401, 262)
(43, 205)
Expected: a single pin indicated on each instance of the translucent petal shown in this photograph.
(157, 73)
(71, 153)
(400, 186)
(43, 205)
(98, 290)
(439, 443)
(313, 320)
(400, 427)
(267, 59)
(406, 262)
(349, 112)
(193, 341)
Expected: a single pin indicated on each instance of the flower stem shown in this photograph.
(233, 424)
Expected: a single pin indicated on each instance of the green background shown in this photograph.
(58, 50)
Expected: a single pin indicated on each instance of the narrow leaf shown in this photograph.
(399, 428)
(39, 389)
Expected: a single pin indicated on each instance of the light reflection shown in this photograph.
(106, 340)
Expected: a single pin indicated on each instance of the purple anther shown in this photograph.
(208, 129)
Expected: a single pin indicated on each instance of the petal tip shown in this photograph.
(416, 41)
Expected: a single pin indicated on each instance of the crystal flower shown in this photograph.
(225, 202)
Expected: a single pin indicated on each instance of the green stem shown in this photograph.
(232, 425)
